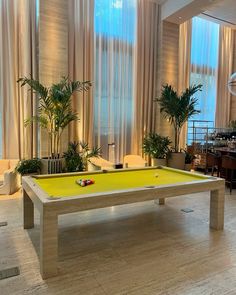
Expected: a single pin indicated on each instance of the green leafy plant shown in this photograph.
(78, 154)
(87, 152)
(189, 158)
(28, 166)
(54, 111)
(73, 159)
(178, 109)
(156, 146)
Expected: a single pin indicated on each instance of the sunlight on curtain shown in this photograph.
(81, 66)
(18, 58)
(226, 62)
(115, 25)
(204, 65)
(185, 35)
(145, 108)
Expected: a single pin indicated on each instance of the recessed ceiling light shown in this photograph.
(180, 17)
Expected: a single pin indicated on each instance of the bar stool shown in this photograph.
(228, 170)
(213, 161)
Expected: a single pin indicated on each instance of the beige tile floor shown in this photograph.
(140, 249)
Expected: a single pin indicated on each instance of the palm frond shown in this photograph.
(84, 146)
(178, 109)
(34, 85)
(43, 121)
(94, 152)
(54, 108)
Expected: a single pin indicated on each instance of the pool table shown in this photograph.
(59, 194)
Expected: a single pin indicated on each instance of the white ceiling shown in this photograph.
(222, 11)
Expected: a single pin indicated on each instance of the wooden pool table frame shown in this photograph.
(50, 208)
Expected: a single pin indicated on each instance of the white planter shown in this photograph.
(92, 167)
(50, 166)
(158, 162)
(177, 160)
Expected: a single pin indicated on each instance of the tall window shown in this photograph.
(204, 65)
(115, 25)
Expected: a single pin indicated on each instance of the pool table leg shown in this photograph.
(28, 211)
(48, 244)
(217, 202)
(162, 201)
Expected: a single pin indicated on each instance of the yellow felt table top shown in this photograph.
(66, 186)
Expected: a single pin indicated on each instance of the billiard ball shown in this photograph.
(85, 182)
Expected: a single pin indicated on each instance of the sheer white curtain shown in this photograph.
(115, 41)
(17, 59)
(120, 60)
(226, 50)
(204, 65)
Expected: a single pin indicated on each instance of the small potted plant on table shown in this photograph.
(157, 147)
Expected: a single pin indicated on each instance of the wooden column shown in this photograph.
(53, 50)
(167, 69)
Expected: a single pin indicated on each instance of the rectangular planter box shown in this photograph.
(51, 166)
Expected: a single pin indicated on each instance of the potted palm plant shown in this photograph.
(157, 147)
(178, 109)
(54, 114)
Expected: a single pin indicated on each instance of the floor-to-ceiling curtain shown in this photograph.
(204, 65)
(113, 44)
(145, 73)
(81, 65)
(115, 41)
(185, 33)
(226, 49)
(17, 59)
